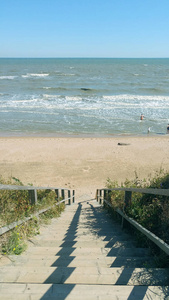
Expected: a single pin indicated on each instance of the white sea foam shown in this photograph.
(24, 101)
(49, 97)
(64, 74)
(36, 112)
(137, 97)
(105, 103)
(8, 77)
(73, 98)
(29, 75)
(70, 74)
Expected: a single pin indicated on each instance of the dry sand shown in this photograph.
(83, 164)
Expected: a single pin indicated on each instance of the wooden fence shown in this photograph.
(65, 195)
(102, 196)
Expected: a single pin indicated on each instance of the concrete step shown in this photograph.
(82, 238)
(81, 292)
(84, 235)
(86, 229)
(85, 275)
(82, 244)
(72, 251)
(80, 261)
(82, 255)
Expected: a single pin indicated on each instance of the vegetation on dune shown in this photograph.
(15, 205)
(151, 211)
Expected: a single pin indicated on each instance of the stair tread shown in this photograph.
(83, 255)
(77, 292)
(85, 275)
(73, 251)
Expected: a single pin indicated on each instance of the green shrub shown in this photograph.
(151, 211)
(13, 244)
(14, 206)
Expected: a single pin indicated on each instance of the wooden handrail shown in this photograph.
(32, 190)
(12, 225)
(60, 192)
(161, 192)
(101, 195)
(28, 187)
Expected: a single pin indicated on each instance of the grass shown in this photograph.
(14, 206)
(151, 211)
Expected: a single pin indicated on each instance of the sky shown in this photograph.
(84, 28)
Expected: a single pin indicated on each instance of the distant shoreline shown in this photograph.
(79, 135)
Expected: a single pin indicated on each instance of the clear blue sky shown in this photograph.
(84, 28)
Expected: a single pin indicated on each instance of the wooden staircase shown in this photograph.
(84, 254)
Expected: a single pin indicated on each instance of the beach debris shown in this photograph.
(123, 144)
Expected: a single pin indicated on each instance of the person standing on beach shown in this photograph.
(168, 128)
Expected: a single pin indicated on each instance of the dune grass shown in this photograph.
(16, 205)
(151, 211)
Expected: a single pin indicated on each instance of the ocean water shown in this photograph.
(99, 97)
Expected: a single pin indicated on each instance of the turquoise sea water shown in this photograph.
(83, 96)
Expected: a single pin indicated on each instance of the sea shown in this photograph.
(99, 97)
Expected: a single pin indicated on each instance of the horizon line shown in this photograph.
(73, 57)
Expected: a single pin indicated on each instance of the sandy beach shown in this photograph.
(83, 164)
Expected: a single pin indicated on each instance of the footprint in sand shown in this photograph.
(86, 169)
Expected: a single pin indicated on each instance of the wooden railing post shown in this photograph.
(104, 195)
(127, 202)
(127, 199)
(109, 195)
(69, 197)
(33, 196)
(97, 195)
(57, 193)
(100, 196)
(63, 194)
(73, 197)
